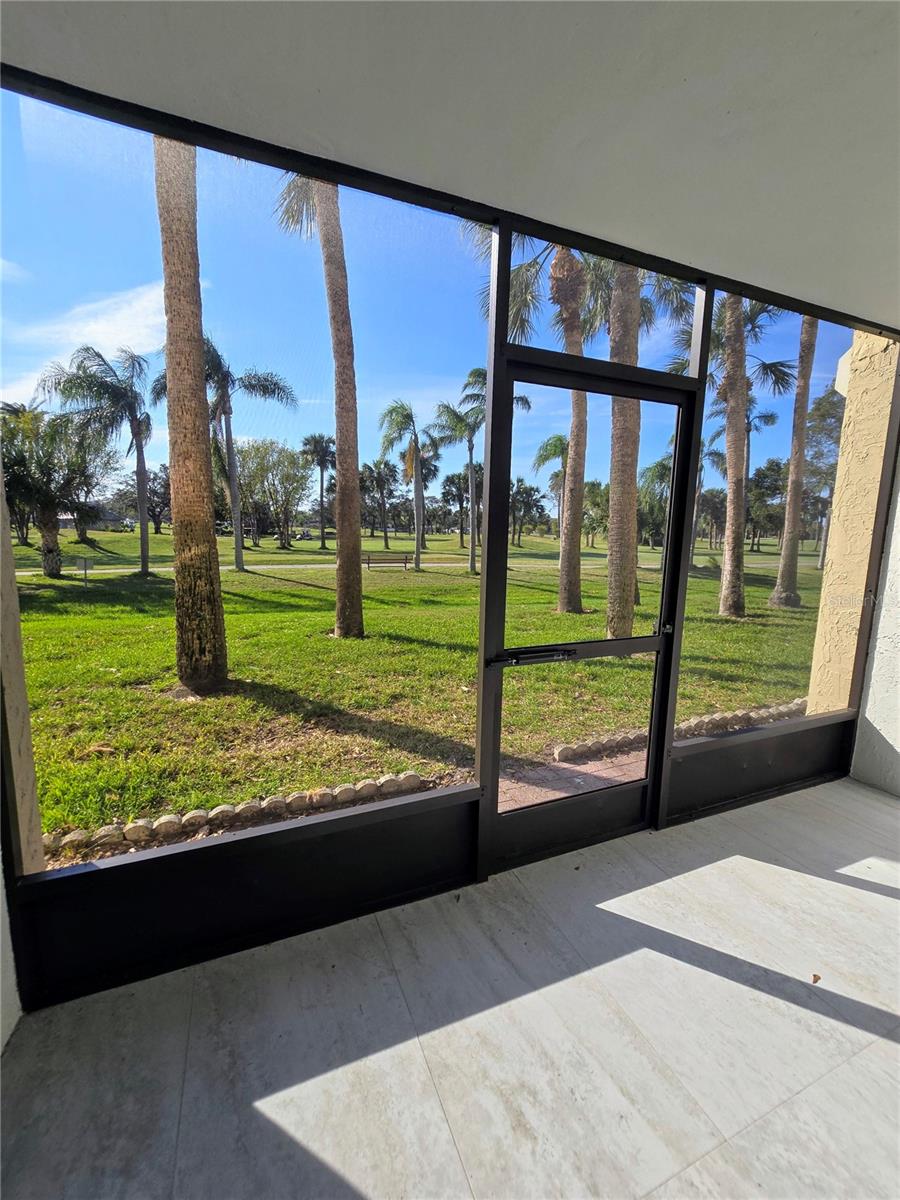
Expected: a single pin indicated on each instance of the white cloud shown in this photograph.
(133, 318)
(11, 272)
(21, 389)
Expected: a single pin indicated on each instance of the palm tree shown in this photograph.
(200, 649)
(454, 424)
(654, 484)
(42, 472)
(555, 448)
(462, 423)
(590, 294)
(382, 478)
(755, 421)
(716, 459)
(454, 493)
(107, 397)
(222, 384)
(736, 324)
(310, 206)
(823, 438)
(398, 424)
(318, 450)
(731, 588)
(785, 593)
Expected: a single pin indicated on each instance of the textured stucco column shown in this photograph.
(876, 756)
(871, 389)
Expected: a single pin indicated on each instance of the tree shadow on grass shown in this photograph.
(408, 640)
(409, 739)
(138, 593)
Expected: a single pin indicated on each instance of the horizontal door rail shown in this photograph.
(611, 374)
(631, 385)
(521, 656)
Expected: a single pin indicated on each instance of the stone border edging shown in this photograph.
(146, 832)
(713, 723)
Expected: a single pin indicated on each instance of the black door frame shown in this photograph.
(86, 927)
(548, 828)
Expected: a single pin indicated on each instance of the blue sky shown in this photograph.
(81, 263)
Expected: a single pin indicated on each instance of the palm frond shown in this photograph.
(396, 422)
(267, 385)
(295, 207)
(525, 297)
(777, 377)
(674, 298)
(158, 389)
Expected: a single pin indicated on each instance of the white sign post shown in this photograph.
(84, 564)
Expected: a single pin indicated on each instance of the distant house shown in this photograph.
(107, 519)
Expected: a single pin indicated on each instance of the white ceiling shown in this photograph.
(759, 141)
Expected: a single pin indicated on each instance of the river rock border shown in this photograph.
(144, 833)
(714, 723)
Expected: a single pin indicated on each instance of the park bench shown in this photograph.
(387, 559)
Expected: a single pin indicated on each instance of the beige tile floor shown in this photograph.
(635, 1019)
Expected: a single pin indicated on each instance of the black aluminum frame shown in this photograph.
(87, 927)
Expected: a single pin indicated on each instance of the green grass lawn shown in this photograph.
(121, 551)
(304, 709)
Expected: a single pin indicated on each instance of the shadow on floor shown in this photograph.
(256, 1074)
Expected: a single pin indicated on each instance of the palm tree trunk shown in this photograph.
(47, 522)
(382, 504)
(785, 593)
(473, 513)
(624, 326)
(462, 525)
(418, 507)
(322, 543)
(695, 527)
(200, 648)
(140, 476)
(731, 591)
(348, 574)
(567, 290)
(234, 492)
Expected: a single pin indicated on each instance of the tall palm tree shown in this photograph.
(731, 588)
(318, 450)
(454, 424)
(382, 478)
(785, 593)
(716, 459)
(590, 294)
(398, 424)
(455, 493)
(200, 650)
(107, 396)
(554, 448)
(755, 421)
(461, 423)
(736, 324)
(310, 207)
(222, 384)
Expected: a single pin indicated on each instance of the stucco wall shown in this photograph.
(876, 758)
(871, 390)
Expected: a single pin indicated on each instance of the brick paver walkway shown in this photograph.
(521, 787)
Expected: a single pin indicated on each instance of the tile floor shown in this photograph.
(636, 1019)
